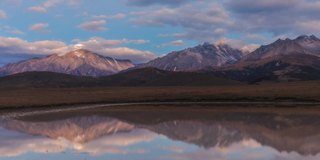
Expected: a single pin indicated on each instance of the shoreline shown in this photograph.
(33, 110)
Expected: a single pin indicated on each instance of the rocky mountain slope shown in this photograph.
(198, 58)
(283, 60)
(79, 62)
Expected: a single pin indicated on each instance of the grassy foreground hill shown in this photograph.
(138, 77)
(145, 85)
(275, 92)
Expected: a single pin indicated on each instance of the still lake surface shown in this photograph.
(159, 132)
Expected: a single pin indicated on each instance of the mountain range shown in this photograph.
(282, 60)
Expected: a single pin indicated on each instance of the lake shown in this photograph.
(162, 132)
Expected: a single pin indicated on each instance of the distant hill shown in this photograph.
(45, 79)
(138, 77)
(157, 77)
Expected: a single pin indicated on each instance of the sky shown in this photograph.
(141, 30)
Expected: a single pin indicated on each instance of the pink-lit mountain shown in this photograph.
(79, 62)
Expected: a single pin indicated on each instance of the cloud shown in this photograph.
(116, 16)
(204, 24)
(11, 30)
(17, 32)
(172, 43)
(94, 26)
(39, 27)
(128, 53)
(12, 45)
(111, 48)
(239, 44)
(207, 20)
(101, 42)
(247, 6)
(154, 2)
(38, 9)
(313, 26)
(287, 17)
(3, 14)
(43, 8)
(75, 2)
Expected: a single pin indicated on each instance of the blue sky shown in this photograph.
(141, 30)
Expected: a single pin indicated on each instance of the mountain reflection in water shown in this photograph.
(165, 134)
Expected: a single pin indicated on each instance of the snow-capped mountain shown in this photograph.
(200, 57)
(79, 62)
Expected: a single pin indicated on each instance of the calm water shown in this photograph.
(139, 134)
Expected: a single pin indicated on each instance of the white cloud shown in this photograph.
(43, 7)
(172, 43)
(239, 44)
(156, 2)
(38, 9)
(75, 2)
(17, 32)
(3, 14)
(12, 45)
(128, 53)
(39, 27)
(110, 48)
(94, 26)
(116, 16)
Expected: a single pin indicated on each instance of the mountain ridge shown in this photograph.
(282, 60)
(80, 62)
(197, 58)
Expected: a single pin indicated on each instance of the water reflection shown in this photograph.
(205, 135)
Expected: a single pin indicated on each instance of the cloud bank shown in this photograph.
(111, 48)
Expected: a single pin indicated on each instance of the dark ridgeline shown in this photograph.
(138, 77)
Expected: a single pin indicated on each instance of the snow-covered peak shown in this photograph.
(307, 38)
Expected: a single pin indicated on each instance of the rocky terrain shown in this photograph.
(198, 58)
(79, 62)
